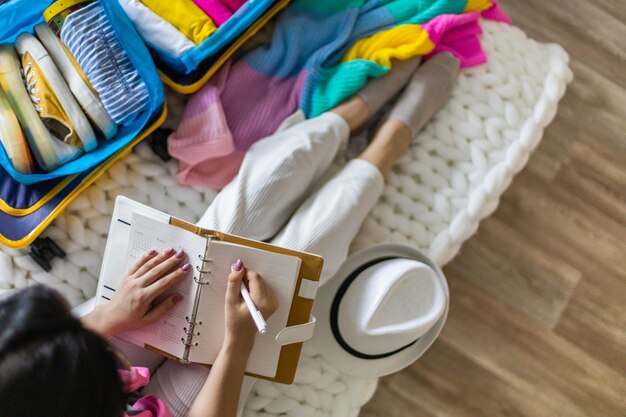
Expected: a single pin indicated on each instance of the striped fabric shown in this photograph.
(89, 36)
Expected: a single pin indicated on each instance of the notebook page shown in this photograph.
(279, 271)
(146, 234)
(117, 242)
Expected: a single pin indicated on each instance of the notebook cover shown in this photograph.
(301, 308)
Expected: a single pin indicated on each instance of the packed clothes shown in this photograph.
(186, 16)
(91, 39)
(65, 87)
(321, 52)
(220, 10)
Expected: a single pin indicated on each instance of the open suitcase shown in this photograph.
(27, 206)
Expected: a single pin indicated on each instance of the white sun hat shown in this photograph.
(381, 311)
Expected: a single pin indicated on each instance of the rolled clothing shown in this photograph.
(91, 39)
(185, 16)
(155, 30)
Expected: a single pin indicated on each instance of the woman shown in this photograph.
(286, 193)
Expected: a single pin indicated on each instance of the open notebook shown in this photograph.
(193, 331)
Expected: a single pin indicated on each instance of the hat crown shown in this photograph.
(393, 303)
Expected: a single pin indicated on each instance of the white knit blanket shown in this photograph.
(451, 178)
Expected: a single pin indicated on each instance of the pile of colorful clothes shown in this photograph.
(321, 52)
(176, 27)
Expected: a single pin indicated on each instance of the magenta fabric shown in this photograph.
(216, 10)
(458, 34)
(234, 5)
(496, 13)
(134, 379)
(148, 406)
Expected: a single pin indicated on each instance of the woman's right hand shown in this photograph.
(240, 327)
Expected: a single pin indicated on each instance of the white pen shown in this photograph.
(256, 314)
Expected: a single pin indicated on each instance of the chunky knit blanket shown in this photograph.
(451, 178)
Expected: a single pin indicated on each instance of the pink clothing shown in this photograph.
(458, 34)
(219, 10)
(148, 406)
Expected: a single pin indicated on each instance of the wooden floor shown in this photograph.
(537, 325)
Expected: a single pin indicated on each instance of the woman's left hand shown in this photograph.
(135, 303)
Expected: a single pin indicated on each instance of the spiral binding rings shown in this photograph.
(191, 333)
(203, 271)
(182, 339)
(195, 323)
(201, 282)
(203, 259)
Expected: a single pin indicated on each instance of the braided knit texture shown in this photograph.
(451, 178)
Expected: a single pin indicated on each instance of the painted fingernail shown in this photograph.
(152, 252)
(180, 253)
(186, 267)
(170, 251)
(237, 265)
(177, 298)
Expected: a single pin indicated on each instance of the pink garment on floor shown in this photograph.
(148, 406)
(208, 153)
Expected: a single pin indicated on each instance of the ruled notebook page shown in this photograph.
(147, 234)
(280, 273)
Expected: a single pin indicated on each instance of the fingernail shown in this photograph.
(152, 252)
(237, 265)
(186, 267)
(180, 253)
(169, 251)
(177, 298)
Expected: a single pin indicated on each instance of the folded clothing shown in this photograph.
(219, 10)
(155, 30)
(91, 39)
(185, 16)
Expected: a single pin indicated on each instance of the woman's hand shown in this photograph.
(138, 301)
(240, 327)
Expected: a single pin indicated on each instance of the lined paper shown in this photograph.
(146, 234)
(280, 273)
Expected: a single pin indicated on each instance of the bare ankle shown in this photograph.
(389, 143)
(354, 111)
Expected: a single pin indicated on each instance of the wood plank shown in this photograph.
(543, 367)
(562, 23)
(537, 325)
(509, 267)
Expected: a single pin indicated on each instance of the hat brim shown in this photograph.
(325, 340)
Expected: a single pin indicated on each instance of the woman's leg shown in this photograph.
(278, 172)
(268, 190)
(327, 222)
(275, 175)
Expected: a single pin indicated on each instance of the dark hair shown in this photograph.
(50, 365)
